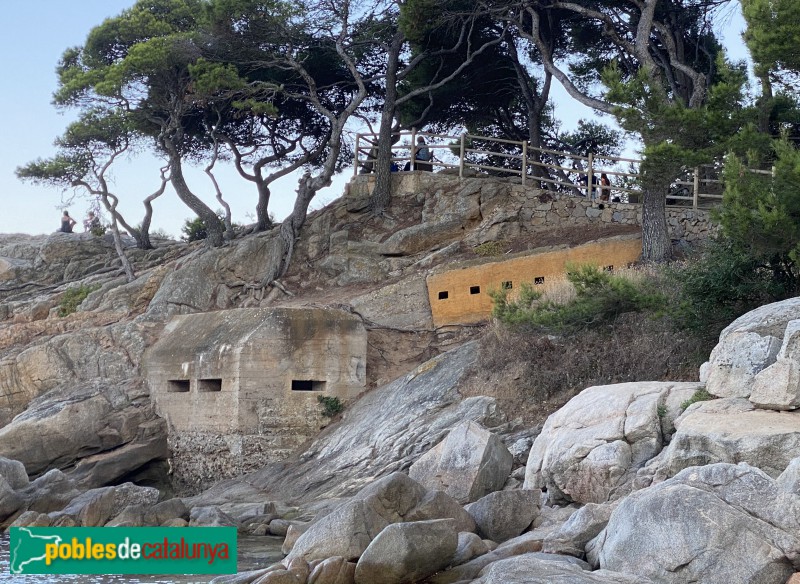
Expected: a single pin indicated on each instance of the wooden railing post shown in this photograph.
(589, 176)
(524, 160)
(355, 162)
(461, 155)
(413, 149)
(696, 194)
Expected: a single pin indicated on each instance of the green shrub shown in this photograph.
(73, 297)
(98, 230)
(194, 230)
(331, 405)
(699, 395)
(718, 284)
(600, 297)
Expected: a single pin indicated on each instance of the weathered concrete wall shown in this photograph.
(461, 294)
(241, 386)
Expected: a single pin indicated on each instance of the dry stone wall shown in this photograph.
(500, 201)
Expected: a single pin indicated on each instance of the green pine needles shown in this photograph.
(600, 297)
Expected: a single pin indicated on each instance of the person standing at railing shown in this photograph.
(585, 183)
(423, 157)
(605, 187)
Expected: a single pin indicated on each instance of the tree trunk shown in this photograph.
(262, 208)
(382, 194)
(290, 230)
(656, 243)
(126, 264)
(143, 239)
(765, 104)
(214, 226)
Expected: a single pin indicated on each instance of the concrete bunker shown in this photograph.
(239, 388)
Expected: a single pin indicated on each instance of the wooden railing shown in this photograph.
(547, 169)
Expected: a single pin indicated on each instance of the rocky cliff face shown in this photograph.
(610, 488)
(373, 267)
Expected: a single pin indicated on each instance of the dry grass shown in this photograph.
(532, 375)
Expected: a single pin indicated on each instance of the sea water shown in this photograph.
(255, 552)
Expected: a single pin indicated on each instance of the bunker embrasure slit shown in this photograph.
(307, 385)
(178, 385)
(207, 385)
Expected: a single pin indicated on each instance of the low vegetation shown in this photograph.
(699, 396)
(596, 328)
(331, 405)
(73, 297)
(598, 297)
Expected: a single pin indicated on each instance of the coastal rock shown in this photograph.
(165, 511)
(13, 471)
(70, 424)
(96, 507)
(336, 570)
(421, 237)
(789, 480)
(279, 527)
(188, 288)
(469, 546)
(467, 465)
(736, 360)
(210, 517)
(440, 505)
(550, 569)
(401, 305)
(747, 532)
(133, 516)
(731, 431)
(293, 533)
(147, 448)
(584, 525)
(523, 544)
(505, 514)
(50, 492)
(408, 552)
(10, 501)
(590, 450)
(32, 519)
(748, 345)
(349, 529)
(777, 387)
(346, 532)
(767, 320)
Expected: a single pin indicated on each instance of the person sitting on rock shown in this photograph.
(91, 222)
(67, 223)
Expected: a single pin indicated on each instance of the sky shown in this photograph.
(34, 37)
